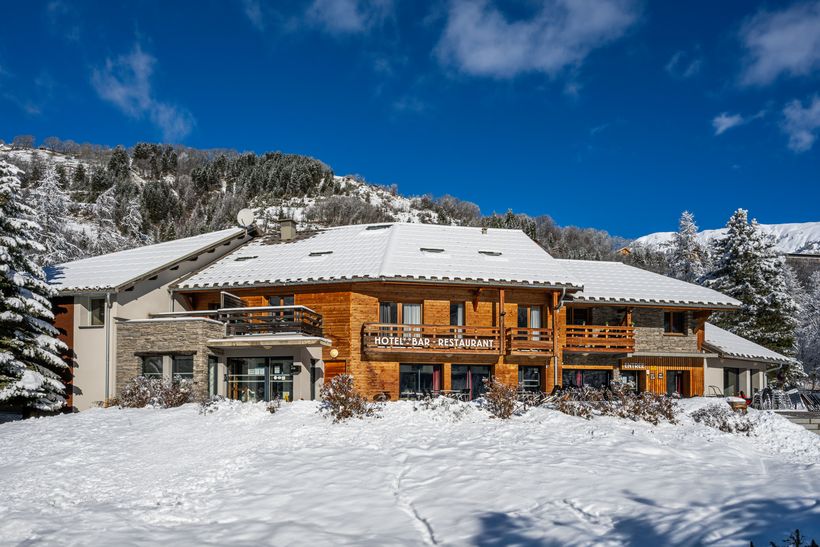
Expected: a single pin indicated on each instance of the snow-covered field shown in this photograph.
(412, 477)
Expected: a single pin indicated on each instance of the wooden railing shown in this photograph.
(599, 338)
(529, 340)
(388, 337)
(260, 320)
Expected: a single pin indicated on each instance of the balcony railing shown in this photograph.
(599, 339)
(260, 320)
(388, 337)
(522, 340)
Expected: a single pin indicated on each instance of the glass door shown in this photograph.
(469, 379)
(529, 378)
(253, 379)
(674, 382)
(419, 380)
(731, 381)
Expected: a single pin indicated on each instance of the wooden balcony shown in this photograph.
(599, 339)
(529, 341)
(441, 339)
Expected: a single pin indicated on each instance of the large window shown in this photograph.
(152, 366)
(388, 313)
(731, 381)
(469, 379)
(457, 314)
(415, 380)
(674, 322)
(260, 379)
(582, 377)
(182, 366)
(96, 312)
(530, 317)
(529, 378)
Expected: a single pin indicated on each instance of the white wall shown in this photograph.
(146, 297)
(752, 374)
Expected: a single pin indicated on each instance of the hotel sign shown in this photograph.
(424, 342)
(633, 366)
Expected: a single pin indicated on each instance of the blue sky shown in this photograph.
(614, 114)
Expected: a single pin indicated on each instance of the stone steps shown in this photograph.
(811, 423)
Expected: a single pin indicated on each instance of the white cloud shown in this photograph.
(253, 11)
(725, 121)
(782, 43)
(480, 40)
(801, 123)
(338, 17)
(126, 83)
(683, 65)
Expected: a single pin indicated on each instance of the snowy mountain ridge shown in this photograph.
(795, 237)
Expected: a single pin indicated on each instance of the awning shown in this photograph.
(267, 341)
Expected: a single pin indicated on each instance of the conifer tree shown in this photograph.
(30, 361)
(687, 257)
(748, 268)
(808, 333)
(50, 204)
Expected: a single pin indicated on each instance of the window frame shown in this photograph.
(90, 315)
(585, 312)
(529, 308)
(669, 323)
(400, 311)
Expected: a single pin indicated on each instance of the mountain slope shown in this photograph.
(798, 237)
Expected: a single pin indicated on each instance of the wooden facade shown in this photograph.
(63, 309)
(498, 331)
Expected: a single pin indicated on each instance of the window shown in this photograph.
(674, 322)
(283, 300)
(152, 366)
(388, 313)
(457, 314)
(529, 378)
(579, 316)
(415, 380)
(182, 366)
(469, 379)
(213, 376)
(96, 312)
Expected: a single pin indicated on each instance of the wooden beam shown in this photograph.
(501, 314)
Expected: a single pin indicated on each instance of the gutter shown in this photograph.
(107, 319)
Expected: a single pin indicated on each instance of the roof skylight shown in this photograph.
(244, 258)
(431, 250)
(320, 253)
(490, 253)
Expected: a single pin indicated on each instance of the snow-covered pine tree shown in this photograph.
(687, 257)
(30, 353)
(808, 333)
(747, 267)
(50, 203)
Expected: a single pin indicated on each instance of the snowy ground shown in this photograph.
(412, 477)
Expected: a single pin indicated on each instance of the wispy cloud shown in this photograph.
(802, 123)
(125, 82)
(725, 121)
(683, 65)
(338, 17)
(781, 43)
(480, 40)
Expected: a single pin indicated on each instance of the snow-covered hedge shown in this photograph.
(616, 400)
(141, 392)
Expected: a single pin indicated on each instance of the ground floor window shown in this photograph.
(182, 366)
(529, 378)
(417, 380)
(254, 379)
(632, 379)
(152, 366)
(469, 379)
(168, 366)
(583, 377)
(213, 376)
(731, 381)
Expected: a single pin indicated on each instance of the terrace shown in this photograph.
(260, 320)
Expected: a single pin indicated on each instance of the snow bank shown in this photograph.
(446, 474)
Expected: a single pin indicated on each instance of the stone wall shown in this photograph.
(649, 335)
(165, 336)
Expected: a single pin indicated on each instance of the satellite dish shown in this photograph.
(245, 217)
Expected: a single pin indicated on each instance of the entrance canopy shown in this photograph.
(268, 341)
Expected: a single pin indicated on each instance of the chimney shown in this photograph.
(287, 229)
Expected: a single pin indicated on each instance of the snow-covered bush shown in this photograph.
(500, 400)
(211, 404)
(142, 391)
(449, 408)
(616, 400)
(721, 417)
(341, 401)
(273, 406)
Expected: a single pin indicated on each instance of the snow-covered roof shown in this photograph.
(389, 251)
(116, 270)
(733, 346)
(609, 282)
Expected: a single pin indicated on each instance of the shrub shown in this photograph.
(141, 392)
(341, 401)
(210, 405)
(500, 400)
(446, 407)
(273, 405)
(618, 401)
(722, 417)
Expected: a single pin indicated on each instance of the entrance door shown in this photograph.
(529, 378)
(675, 380)
(469, 379)
(253, 379)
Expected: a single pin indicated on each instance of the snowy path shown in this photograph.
(243, 476)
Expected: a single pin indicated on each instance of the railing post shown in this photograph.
(502, 331)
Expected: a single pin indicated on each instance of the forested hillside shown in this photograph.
(93, 199)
